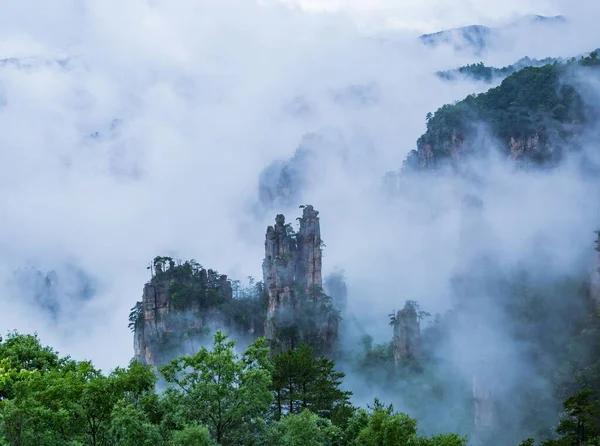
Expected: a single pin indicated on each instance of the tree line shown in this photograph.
(218, 396)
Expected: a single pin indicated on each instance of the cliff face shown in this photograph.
(310, 254)
(278, 270)
(407, 334)
(179, 306)
(297, 310)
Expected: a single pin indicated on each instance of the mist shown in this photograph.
(135, 129)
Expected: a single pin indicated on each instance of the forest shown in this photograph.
(217, 396)
(542, 103)
(481, 72)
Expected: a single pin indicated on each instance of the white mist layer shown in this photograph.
(129, 130)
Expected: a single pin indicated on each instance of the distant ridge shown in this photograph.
(478, 37)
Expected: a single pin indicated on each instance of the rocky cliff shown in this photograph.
(183, 301)
(298, 310)
(181, 304)
(407, 334)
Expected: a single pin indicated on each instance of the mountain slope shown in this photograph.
(477, 38)
(535, 115)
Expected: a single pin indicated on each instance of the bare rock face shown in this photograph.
(310, 255)
(298, 310)
(278, 269)
(407, 334)
(179, 305)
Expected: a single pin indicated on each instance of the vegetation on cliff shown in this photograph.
(534, 114)
(481, 72)
(183, 301)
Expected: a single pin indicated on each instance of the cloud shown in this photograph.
(151, 138)
(430, 16)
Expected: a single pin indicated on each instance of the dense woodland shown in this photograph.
(216, 396)
(539, 103)
(481, 72)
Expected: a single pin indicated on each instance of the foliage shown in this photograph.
(216, 397)
(480, 72)
(193, 435)
(303, 429)
(229, 394)
(384, 427)
(301, 381)
(130, 426)
(196, 294)
(135, 316)
(582, 418)
(61, 401)
(410, 306)
(533, 102)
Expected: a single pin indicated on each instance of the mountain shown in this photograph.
(59, 293)
(480, 72)
(184, 302)
(536, 115)
(477, 38)
(473, 37)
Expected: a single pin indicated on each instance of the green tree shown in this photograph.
(229, 394)
(582, 420)
(20, 353)
(49, 400)
(192, 435)
(130, 426)
(443, 440)
(303, 429)
(301, 381)
(387, 429)
(384, 427)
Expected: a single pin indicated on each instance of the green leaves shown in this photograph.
(531, 104)
(217, 396)
(192, 435)
(229, 394)
(49, 400)
(384, 427)
(303, 429)
(301, 381)
(130, 426)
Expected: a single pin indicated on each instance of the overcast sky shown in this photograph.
(431, 15)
